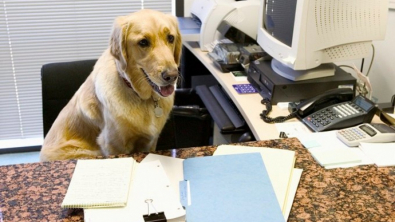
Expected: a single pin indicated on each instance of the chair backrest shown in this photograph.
(59, 82)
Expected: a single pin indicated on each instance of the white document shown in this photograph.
(382, 154)
(330, 152)
(279, 165)
(296, 174)
(150, 183)
(293, 129)
(173, 168)
(190, 30)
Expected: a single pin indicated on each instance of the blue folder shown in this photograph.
(228, 188)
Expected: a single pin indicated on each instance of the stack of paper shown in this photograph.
(228, 188)
(280, 168)
(330, 152)
(279, 164)
(237, 183)
(150, 184)
(382, 154)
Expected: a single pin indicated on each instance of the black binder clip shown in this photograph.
(283, 135)
(154, 217)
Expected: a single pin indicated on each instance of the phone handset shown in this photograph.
(309, 106)
(326, 99)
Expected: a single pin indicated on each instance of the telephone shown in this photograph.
(305, 107)
(333, 109)
(339, 115)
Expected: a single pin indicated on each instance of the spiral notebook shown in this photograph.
(100, 183)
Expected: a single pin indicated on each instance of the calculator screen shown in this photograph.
(368, 130)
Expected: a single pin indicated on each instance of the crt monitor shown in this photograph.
(305, 37)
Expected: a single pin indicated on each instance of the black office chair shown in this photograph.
(59, 82)
(189, 123)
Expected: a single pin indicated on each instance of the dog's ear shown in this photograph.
(118, 40)
(178, 48)
(178, 42)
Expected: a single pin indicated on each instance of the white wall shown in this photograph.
(187, 7)
(382, 74)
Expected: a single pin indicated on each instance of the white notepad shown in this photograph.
(335, 157)
(100, 183)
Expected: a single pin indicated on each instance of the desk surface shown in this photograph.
(249, 105)
(34, 192)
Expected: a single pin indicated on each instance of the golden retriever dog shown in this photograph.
(124, 104)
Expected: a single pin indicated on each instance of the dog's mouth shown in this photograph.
(164, 91)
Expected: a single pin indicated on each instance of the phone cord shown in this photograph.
(279, 119)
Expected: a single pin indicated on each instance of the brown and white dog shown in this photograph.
(124, 103)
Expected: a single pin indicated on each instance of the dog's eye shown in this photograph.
(170, 38)
(144, 43)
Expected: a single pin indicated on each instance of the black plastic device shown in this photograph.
(342, 115)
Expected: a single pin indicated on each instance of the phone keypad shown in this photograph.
(321, 120)
(347, 109)
(244, 88)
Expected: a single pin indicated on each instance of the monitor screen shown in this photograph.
(305, 37)
(279, 20)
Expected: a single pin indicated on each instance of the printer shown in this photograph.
(209, 14)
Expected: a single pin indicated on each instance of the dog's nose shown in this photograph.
(169, 76)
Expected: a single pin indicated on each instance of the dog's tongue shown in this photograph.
(166, 90)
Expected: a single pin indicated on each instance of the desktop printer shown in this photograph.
(277, 89)
(209, 14)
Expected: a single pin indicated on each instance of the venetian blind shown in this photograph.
(34, 33)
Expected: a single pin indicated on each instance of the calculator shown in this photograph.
(367, 132)
(244, 88)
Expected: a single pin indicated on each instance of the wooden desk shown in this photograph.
(34, 192)
(249, 105)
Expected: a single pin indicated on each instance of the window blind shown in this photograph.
(34, 33)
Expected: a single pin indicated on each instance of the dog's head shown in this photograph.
(147, 46)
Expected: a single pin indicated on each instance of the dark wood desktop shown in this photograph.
(34, 192)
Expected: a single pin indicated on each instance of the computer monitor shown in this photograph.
(305, 37)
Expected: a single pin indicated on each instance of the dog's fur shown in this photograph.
(113, 110)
